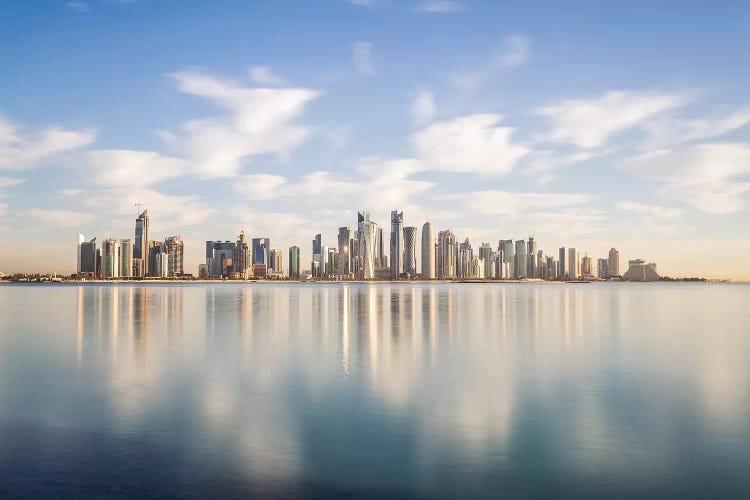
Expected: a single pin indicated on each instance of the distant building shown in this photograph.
(380, 259)
(220, 258)
(294, 270)
(241, 257)
(509, 258)
(573, 265)
(464, 260)
(428, 252)
(614, 262)
(111, 258)
(586, 266)
(140, 249)
(275, 262)
(367, 232)
(79, 241)
(521, 266)
(397, 244)
(155, 251)
(638, 270)
(487, 254)
(445, 255)
(330, 261)
(126, 258)
(410, 252)
(87, 258)
(344, 260)
(260, 247)
(317, 266)
(176, 253)
(602, 268)
(562, 264)
(531, 270)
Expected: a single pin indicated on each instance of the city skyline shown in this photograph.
(494, 121)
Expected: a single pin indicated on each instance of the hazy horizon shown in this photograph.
(587, 126)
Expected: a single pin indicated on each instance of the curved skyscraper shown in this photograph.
(366, 230)
(428, 252)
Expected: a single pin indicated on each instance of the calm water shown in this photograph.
(485, 390)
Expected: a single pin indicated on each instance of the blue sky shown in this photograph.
(586, 124)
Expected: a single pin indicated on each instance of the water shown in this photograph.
(406, 390)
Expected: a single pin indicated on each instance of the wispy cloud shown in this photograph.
(513, 51)
(56, 217)
(78, 6)
(590, 123)
(362, 3)
(20, 150)
(362, 55)
(653, 210)
(10, 181)
(469, 144)
(439, 6)
(423, 107)
(264, 75)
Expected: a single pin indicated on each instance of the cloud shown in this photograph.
(23, 151)
(362, 3)
(707, 176)
(258, 121)
(362, 55)
(667, 131)
(121, 168)
(339, 137)
(10, 181)
(259, 186)
(78, 6)
(589, 123)
(439, 6)
(513, 51)
(469, 144)
(263, 75)
(423, 107)
(510, 204)
(56, 217)
(541, 164)
(654, 210)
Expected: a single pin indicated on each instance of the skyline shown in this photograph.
(496, 121)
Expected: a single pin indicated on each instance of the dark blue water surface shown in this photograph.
(389, 390)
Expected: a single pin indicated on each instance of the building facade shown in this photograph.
(367, 232)
(445, 255)
(397, 244)
(140, 249)
(410, 251)
(614, 262)
(294, 270)
(428, 252)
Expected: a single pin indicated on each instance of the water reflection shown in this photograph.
(434, 390)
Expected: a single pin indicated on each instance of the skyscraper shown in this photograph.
(445, 256)
(562, 268)
(509, 258)
(586, 266)
(175, 251)
(602, 268)
(488, 259)
(397, 244)
(614, 262)
(428, 252)
(241, 257)
(261, 246)
(521, 266)
(345, 263)
(380, 259)
(220, 258)
(140, 249)
(531, 258)
(367, 231)
(87, 260)
(294, 262)
(464, 260)
(410, 251)
(111, 258)
(573, 266)
(126, 258)
(317, 265)
(79, 241)
(275, 262)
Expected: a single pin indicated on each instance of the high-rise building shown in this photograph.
(241, 257)
(562, 267)
(87, 259)
(275, 263)
(331, 261)
(531, 258)
(573, 264)
(220, 258)
(111, 258)
(602, 268)
(445, 255)
(261, 247)
(614, 262)
(155, 250)
(79, 241)
(551, 268)
(397, 244)
(464, 260)
(345, 260)
(160, 260)
(638, 270)
(586, 266)
(367, 231)
(428, 252)
(175, 251)
(380, 258)
(317, 266)
(354, 251)
(294, 270)
(140, 249)
(126, 258)
(509, 258)
(521, 265)
(487, 254)
(410, 251)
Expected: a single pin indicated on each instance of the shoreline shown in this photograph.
(348, 282)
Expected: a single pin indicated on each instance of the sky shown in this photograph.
(585, 124)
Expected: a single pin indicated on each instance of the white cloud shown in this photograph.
(654, 210)
(509, 204)
(667, 131)
(22, 151)
(541, 164)
(439, 6)
(363, 3)
(56, 217)
(121, 168)
(264, 75)
(78, 6)
(259, 121)
(514, 51)
(362, 55)
(589, 123)
(707, 176)
(259, 186)
(423, 107)
(339, 137)
(10, 181)
(469, 144)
